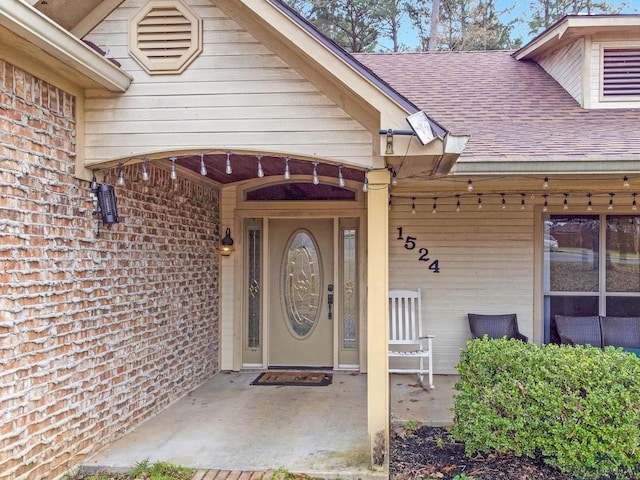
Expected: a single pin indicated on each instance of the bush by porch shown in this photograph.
(579, 407)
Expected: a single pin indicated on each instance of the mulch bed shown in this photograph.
(428, 452)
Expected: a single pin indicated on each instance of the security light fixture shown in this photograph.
(421, 126)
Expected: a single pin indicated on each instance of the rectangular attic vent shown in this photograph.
(621, 73)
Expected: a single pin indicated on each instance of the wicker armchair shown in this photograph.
(620, 331)
(495, 326)
(579, 330)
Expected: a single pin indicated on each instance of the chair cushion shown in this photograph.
(621, 331)
(635, 351)
(579, 330)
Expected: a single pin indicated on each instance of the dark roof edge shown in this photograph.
(353, 62)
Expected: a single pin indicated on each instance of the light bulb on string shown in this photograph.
(435, 205)
(470, 186)
(287, 173)
(260, 170)
(394, 178)
(479, 201)
(589, 204)
(340, 177)
(365, 184)
(228, 169)
(504, 202)
(458, 204)
(145, 172)
(316, 180)
(545, 184)
(203, 167)
(94, 182)
(413, 205)
(545, 207)
(610, 207)
(565, 202)
(625, 182)
(174, 174)
(522, 203)
(120, 175)
(634, 206)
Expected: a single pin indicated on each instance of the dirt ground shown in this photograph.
(429, 453)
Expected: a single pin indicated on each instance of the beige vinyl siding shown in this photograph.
(235, 95)
(566, 66)
(486, 266)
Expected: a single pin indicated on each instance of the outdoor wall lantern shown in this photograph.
(107, 203)
(226, 247)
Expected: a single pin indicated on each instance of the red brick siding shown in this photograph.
(97, 333)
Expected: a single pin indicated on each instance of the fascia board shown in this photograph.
(573, 26)
(37, 29)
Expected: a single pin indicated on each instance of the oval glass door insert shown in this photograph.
(302, 283)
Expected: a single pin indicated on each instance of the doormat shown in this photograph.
(294, 378)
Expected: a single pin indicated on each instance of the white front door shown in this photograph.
(301, 318)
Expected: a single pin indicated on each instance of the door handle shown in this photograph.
(330, 300)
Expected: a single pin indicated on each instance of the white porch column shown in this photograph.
(377, 313)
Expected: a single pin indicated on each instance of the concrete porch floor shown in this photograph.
(227, 424)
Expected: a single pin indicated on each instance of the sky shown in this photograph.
(521, 9)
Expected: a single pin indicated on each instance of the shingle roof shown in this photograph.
(512, 109)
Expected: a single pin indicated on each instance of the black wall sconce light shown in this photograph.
(226, 247)
(107, 207)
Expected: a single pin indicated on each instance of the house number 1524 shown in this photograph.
(410, 244)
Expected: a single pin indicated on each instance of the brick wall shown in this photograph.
(97, 333)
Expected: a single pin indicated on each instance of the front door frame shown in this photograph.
(266, 211)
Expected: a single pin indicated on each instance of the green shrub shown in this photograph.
(577, 406)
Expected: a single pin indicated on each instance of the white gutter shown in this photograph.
(28, 23)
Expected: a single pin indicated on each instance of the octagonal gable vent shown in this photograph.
(165, 36)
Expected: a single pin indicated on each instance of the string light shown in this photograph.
(394, 177)
(565, 203)
(435, 205)
(458, 203)
(260, 170)
(340, 177)
(228, 169)
(625, 182)
(589, 205)
(120, 175)
(504, 202)
(545, 207)
(470, 186)
(413, 205)
(287, 173)
(365, 184)
(545, 185)
(634, 206)
(94, 182)
(522, 204)
(145, 172)
(610, 207)
(316, 180)
(479, 201)
(203, 167)
(174, 174)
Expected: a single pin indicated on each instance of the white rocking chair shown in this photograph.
(406, 340)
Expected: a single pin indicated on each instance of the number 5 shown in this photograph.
(410, 243)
